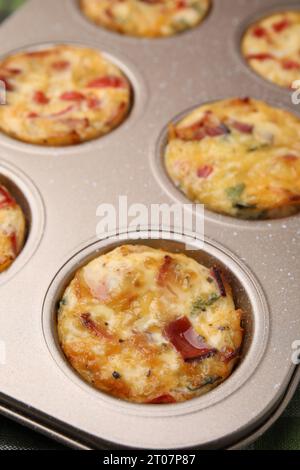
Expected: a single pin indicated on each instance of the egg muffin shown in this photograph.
(146, 18)
(148, 326)
(271, 46)
(238, 157)
(62, 95)
(12, 229)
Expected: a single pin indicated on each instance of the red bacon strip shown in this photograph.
(61, 65)
(164, 271)
(14, 243)
(163, 399)
(107, 82)
(281, 25)
(185, 339)
(261, 56)
(259, 32)
(39, 97)
(290, 65)
(6, 200)
(72, 96)
(242, 127)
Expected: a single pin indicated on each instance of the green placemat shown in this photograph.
(284, 435)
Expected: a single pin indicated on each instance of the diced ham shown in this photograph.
(259, 32)
(162, 399)
(217, 275)
(6, 200)
(109, 81)
(32, 115)
(72, 96)
(39, 97)
(186, 341)
(208, 126)
(281, 25)
(290, 158)
(205, 171)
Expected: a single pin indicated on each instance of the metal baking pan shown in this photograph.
(60, 190)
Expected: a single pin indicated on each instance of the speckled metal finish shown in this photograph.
(60, 190)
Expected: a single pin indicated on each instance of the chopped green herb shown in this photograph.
(200, 305)
(207, 381)
(235, 192)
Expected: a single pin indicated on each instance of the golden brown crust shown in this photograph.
(63, 95)
(239, 157)
(271, 47)
(146, 18)
(120, 320)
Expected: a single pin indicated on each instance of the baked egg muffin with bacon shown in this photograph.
(148, 326)
(146, 18)
(271, 46)
(238, 157)
(12, 229)
(62, 95)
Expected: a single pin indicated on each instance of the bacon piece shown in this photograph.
(109, 81)
(259, 32)
(14, 243)
(208, 126)
(216, 274)
(261, 56)
(39, 97)
(94, 328)
(61, 65)
(162, 399)
(187, 342)
(164, 271)
(290, 65)
(6, 200)
(205, 171)
(242, 127)
(72, 96)
(281, 25)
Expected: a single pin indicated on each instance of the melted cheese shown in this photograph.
(117, 341)
(62, 95)
(251, 169)
(146, 18)
(271, 46)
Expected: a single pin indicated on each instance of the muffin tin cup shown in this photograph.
(169, 76)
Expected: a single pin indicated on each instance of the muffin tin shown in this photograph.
(60, 190)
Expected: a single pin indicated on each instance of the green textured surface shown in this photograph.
(284, 435)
